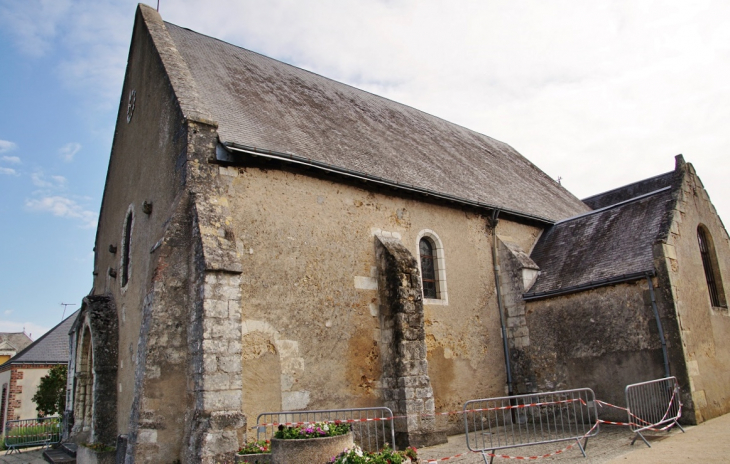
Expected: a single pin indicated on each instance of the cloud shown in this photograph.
(40, 180)
(6, 145)
(8, 171)
(34, 23)
(62, 207)
(68, 151)
(8, 312)
(11, 159)
(30, 328)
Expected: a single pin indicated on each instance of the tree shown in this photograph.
(50, 398)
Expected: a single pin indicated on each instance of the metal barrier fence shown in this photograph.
(651, 405)
(524, 420)
(372, 427)
(42, 431)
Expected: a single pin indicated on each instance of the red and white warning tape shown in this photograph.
(448, 413)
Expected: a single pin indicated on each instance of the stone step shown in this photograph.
(58, 456)
(69, 448)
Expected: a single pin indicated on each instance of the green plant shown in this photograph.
(312, 430)
(26, 431)
(256, 447)
(356, 455)
(50, 398)
(98, 447)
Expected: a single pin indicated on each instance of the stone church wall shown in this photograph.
(601, 339)
(705, 329)
(309, 293)
(148, 166)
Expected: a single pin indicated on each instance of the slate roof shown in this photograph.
(17, 340)
(51, 348)
(603, 246)
(262, 103)
(627, 192)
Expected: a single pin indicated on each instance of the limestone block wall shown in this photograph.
(309, 292)
(704, 328)
(603, 339)
(147, 165)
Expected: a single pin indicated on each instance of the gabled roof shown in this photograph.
(16, 340)
(51, 348)
(609, 245)
(267, 106)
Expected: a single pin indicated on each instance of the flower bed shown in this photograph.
(255, 452)
(355, 455)
(313, 443)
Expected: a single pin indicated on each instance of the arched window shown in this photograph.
(712, 270)
(433, 267)
(127, 247)
(428, 268)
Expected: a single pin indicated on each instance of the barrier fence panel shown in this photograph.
(42, 431)
(653, 405)
(372, 427)
(523, 420)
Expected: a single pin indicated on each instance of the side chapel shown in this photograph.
(270, 239)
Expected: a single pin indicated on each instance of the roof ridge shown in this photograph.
(627, 185)
(615, 205)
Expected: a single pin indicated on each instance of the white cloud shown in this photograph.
(35, 331)
(8, 171)
(11, 159)
(62, 207)
(6, 145)
(39, 179)
(8, 312)
(68, 151)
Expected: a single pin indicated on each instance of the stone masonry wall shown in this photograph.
(603, 339)
(701, 358)
(405, 381)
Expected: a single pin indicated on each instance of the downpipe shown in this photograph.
(659, 325)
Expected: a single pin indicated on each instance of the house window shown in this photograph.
(712, 270)
(428, 269)
(433, 268)
(126, 247)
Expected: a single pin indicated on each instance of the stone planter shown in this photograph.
(261, 458)
(309, 450)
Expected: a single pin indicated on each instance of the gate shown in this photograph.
(523, 420)
(42, 431)
(651, 405)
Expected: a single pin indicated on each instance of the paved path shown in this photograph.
(707, 442)
(31, 456)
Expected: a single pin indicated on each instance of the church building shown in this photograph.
(272, 240)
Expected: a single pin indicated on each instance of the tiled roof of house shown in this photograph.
(630, 191)
(17, 340)
(262, 103)
(51, 348)
(602, 246)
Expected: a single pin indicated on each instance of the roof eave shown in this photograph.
(224, 154)
(589, 285)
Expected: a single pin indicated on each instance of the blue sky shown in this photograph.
(600, 94)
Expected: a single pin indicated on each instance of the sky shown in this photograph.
(596, 94)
